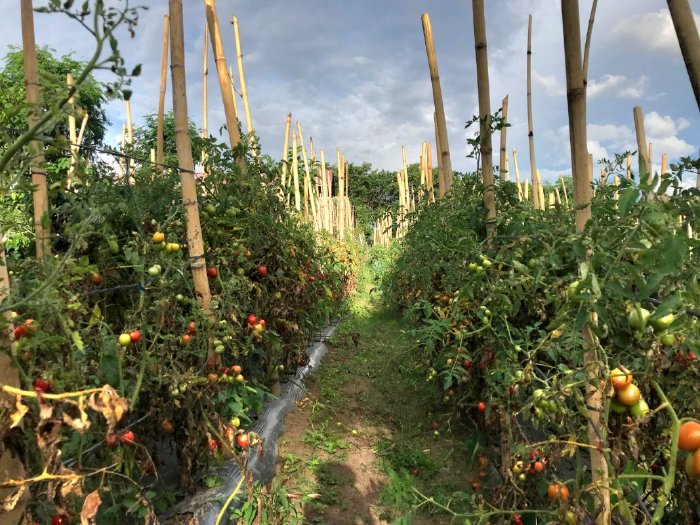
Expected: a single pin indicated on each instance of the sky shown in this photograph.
(355, 74)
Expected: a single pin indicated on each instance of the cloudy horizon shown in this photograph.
(355, 74)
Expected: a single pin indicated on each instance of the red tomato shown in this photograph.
(59, 519)
(312, 278)
(127, 437)
(135, 336)
(185, 339)
(691, 356)
(111, 440)
(236, 369)
(466, 363)
(262, 323)
(243, 440)
(41, 384)
(21, 331)
(212, 445)
(262, 271)
(192, 327)
(96, 278)
(212, 272)
(252, 319)
(481, 407)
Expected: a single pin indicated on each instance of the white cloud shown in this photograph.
(551, 84)
(658, 126)
(650, 31)
(618, 85)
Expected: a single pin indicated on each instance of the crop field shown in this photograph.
(195, 331)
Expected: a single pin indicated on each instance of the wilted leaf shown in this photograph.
(110, 405)
(82, 424)
(90, 506)
(17, 416)
(10, 502)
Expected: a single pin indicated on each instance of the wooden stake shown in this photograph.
(131, 166)
(205, 109)
(540, 190)
(629, 166)
(442, 185)
(285, 152)
(42, 229)
(83, 127)
(689, 41)
(340, 197)
(241, 77)
(503, 164)
(232, 80)
(161, 98)
(566, 195)
(650, 157)
(507, 167)
(444, 151)
(309, 191)
(186, 162)
(531, 134)
(232, 125)
(429, 167)
(517, 175)
(642, 152)
(664, 163)
(482, 74)
(72, 131)
(295, 172)
(595, 389)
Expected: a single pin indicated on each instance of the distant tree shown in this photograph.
(145, 138)
(91, 98)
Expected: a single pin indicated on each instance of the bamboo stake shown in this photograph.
(442, 185)
(482, 74)
(285, 152)
(340, 197)
(308, 193)
(232, 81)
(83, 127)
(444, 151)
(616, 182)
(540, 190)
(689, 41)
(185, 161)
(664, 163)
(295, 172)
(153, 156)
(205, 89)
(531, 134)
(241, 77)
(603, 176)
(566, 196)
(130, 140)
(551, 200)
(650, 157)
(595, 389)
(431, 185)
(557, 195)
(217, 47)
(324, 200)
(629, 166)
(40, 195)
(526, 190)
(517, 175)
(72, 132)
(644, 164)
(423, 176)
(122, 159)
(504, 153)
(507, 167)
(161, 98)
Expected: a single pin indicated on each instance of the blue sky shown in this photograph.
(355, 73)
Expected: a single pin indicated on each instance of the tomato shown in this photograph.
(415, 472)
(637, 321)
(538, 466)
(158, 237)
(236, 369)
(312, 278)
(212, 377)
(243, 440)
(124, 340)
(692, 465)
(476, 485)
(620, 378)
(252, 319)
(135, 336)
(691, 356)
(191, 328)
(629, 395)
(639, 409)
(617, 407)
(167, 426)
(96, 278)
(262, 271)
(229, 433)
(570, 518)
(212, 272)
(235, 422)
(154, 270)
(22, 331)
(259, 328)
(248, 253)
(239, 378)
(481, 407)
(556, 491)
(668, 339)
(572, 290)
(127, 437)
(111, 440)
(263, 323)
(185, 340)
(662, 323)
(172, 247)
(689, 436)
(434, 425)
(212, 445)
(59, 519)
(41, 384)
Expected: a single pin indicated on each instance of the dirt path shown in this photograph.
(361, 447)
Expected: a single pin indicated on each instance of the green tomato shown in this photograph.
(180, 298)
(617, 407)
(668, 339)
(154, 270)
(472, 267)
(538, 395)
(113, 245)
(662, 323)
(551, 406)
(219, 349)
(532, 263)
(637, 321)
(240, 271)
(571, 290)
(640, 409)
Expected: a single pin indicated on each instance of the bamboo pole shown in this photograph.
(557, 195)
(651, 161)
(423, 176)
(40, 195)
(482, 74)
(526, 190)
(186, 162)
(504, 152)
(130, 140)
(603, 176)
(664, 163)
(232, 81)
(72, 131)
(431, 182)
(442, 185)
(295, 172)
(122, 160)
(507, 167)
(566, 195)
(309, 192)
(595, 388)
(340, 197)
(642, 151)
(241, 78)
(616, 182)
(161, 98)
(531, 134)
(444, 151)
(83, 127)
(689, 41)
(540, 190)
(517, 176)
(217, 47)
(285, 152)
(629, 166)
(205, 89)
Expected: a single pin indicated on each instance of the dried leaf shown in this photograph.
(45, 411)
(110, 405)
(17, 416)
(90, 505)
(10, 502)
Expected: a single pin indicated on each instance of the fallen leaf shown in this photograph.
(90, 506)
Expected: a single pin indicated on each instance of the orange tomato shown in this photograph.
(620, 378)
(689, 436)
(629, 395)
(557, 491)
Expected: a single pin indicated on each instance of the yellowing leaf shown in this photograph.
(17, 416)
